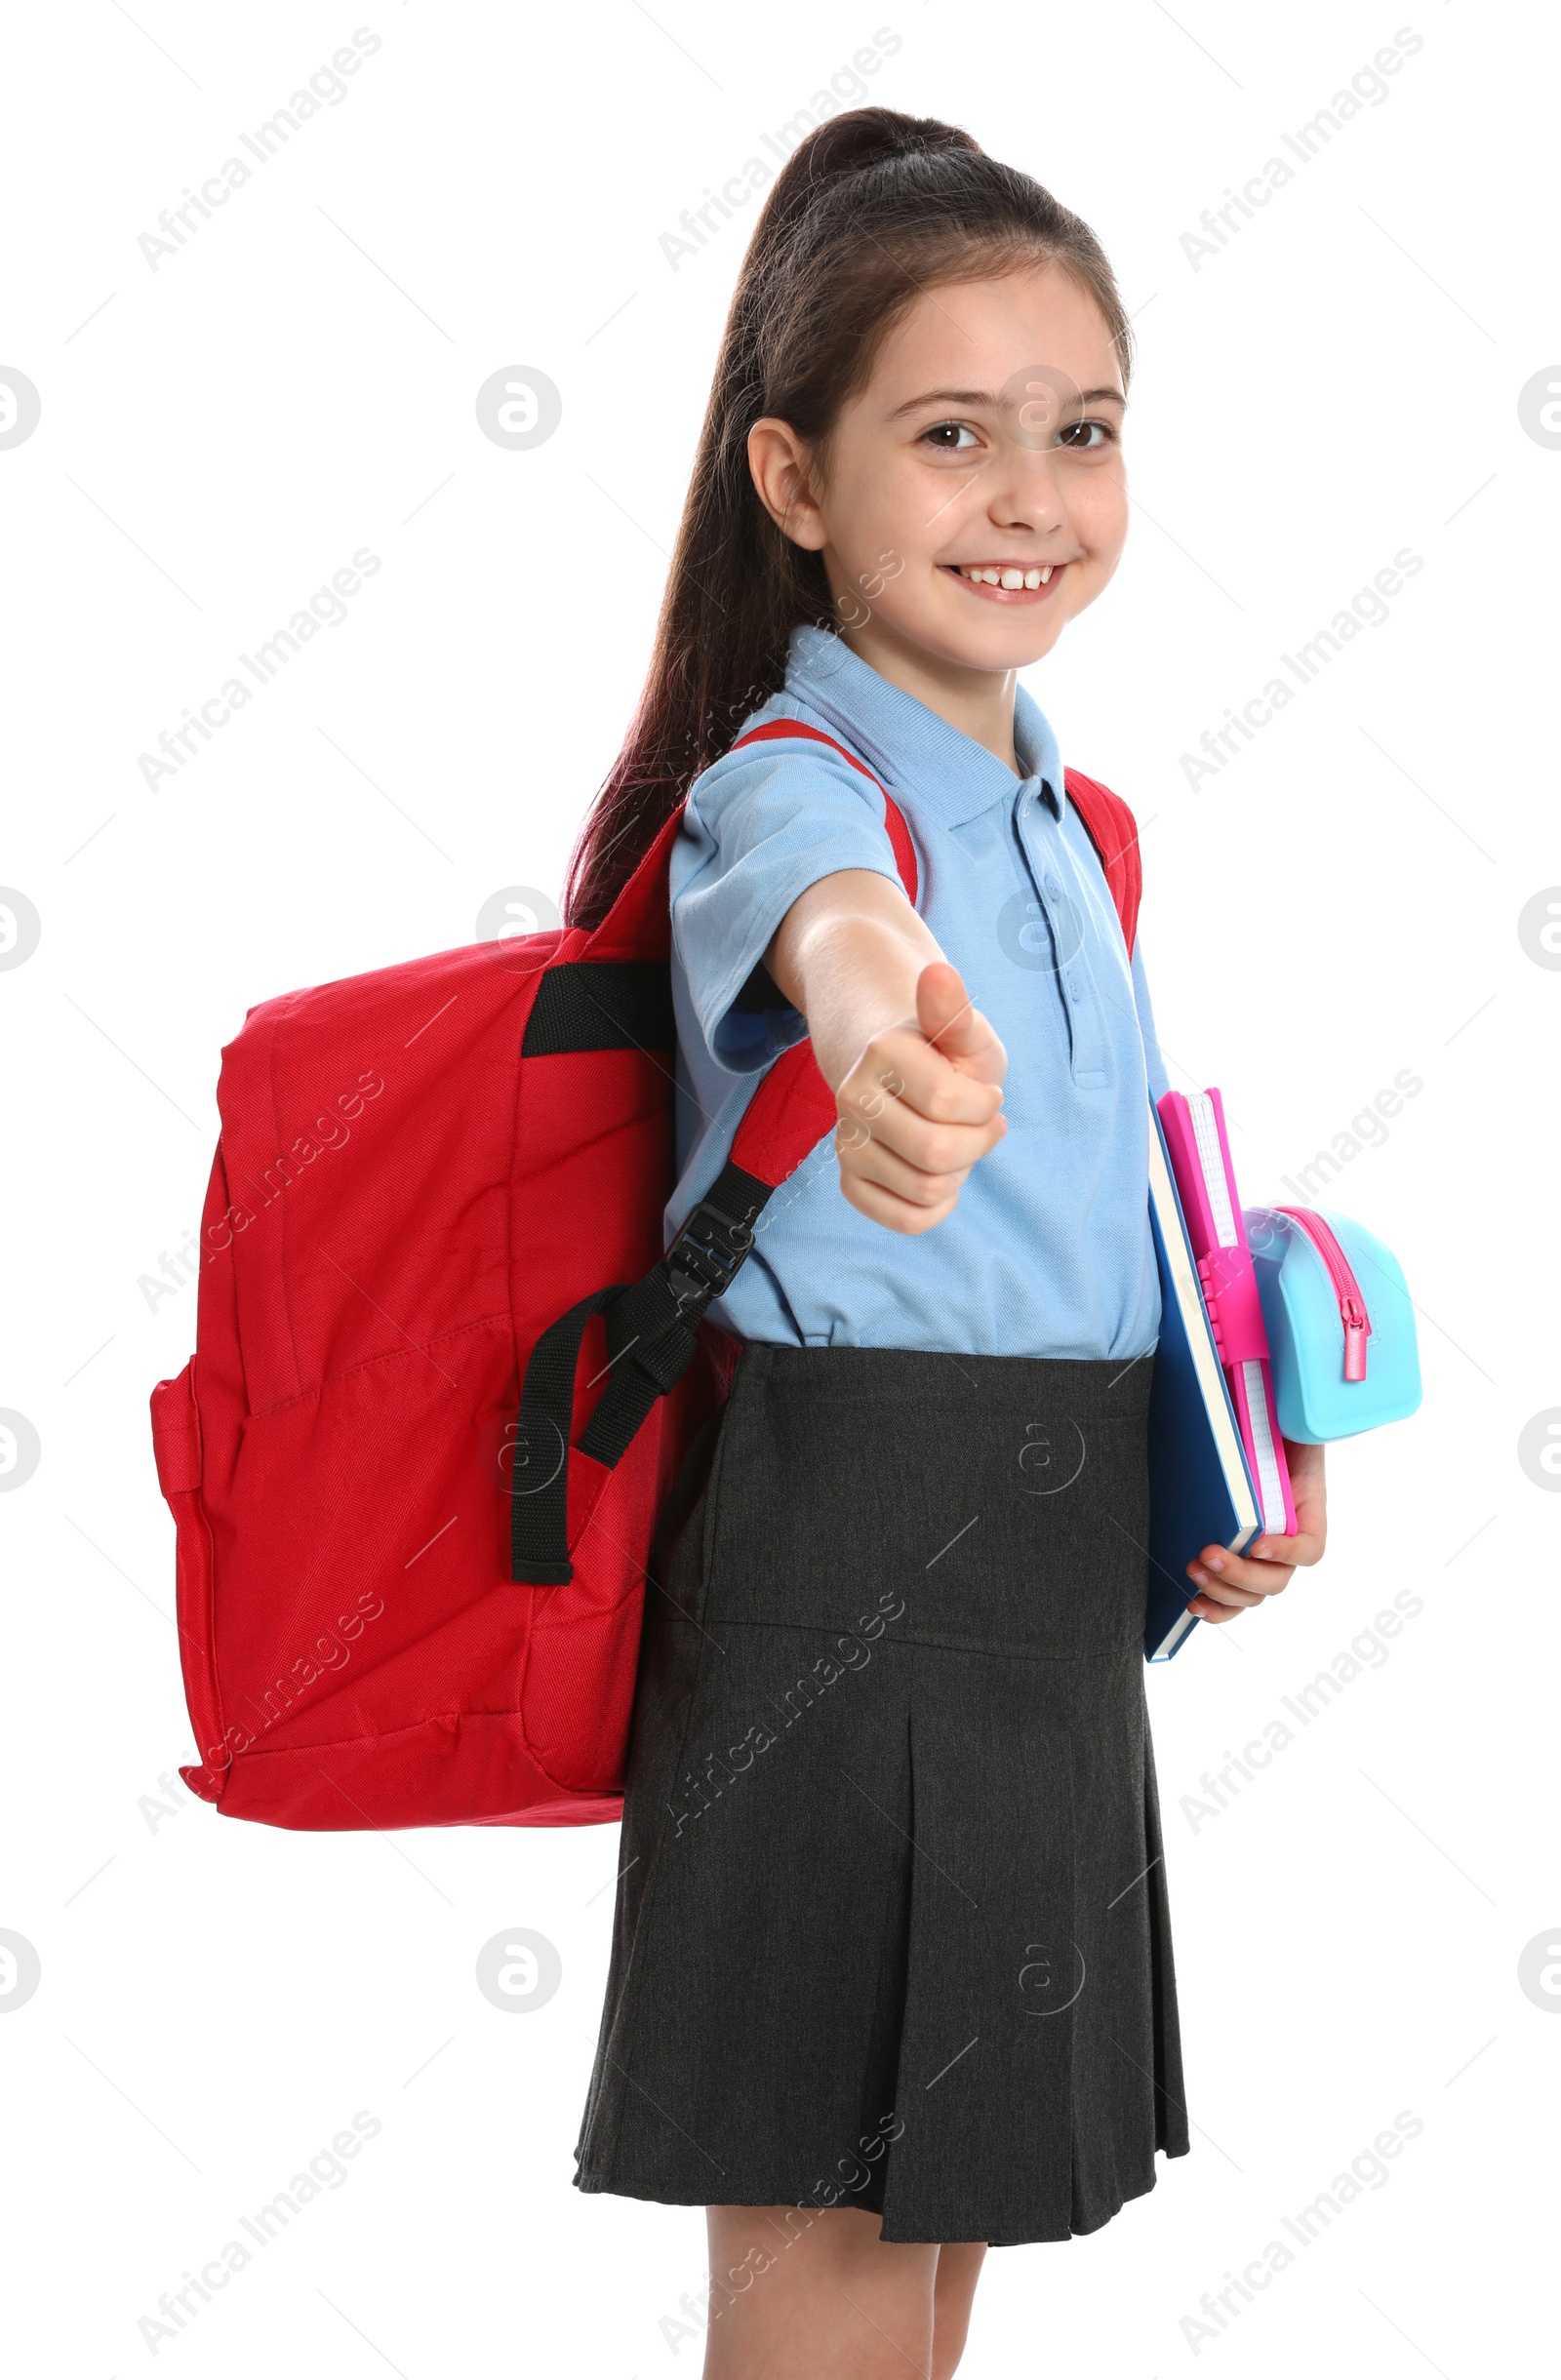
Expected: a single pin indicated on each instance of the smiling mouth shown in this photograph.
(1007, 582)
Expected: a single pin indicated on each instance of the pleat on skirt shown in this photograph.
(891, 1927)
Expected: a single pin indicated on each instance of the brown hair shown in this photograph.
(873, 208)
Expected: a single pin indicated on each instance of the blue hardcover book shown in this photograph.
(1201, 1488)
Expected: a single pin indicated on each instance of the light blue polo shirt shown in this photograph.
(1048, 1252)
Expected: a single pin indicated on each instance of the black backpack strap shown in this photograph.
(651, 1338)
(537, 1515)
(650, 1328)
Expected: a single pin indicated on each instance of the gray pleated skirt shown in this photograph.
(891, 1927)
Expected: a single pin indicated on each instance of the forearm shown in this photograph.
(848, 953)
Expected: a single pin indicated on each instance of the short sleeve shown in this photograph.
(1159, 1083)
(758, 828)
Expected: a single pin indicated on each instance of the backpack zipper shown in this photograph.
(1347, 1288)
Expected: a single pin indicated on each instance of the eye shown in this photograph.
(1077, 440)
(942, 435)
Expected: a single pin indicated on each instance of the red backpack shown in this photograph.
(445, 1375)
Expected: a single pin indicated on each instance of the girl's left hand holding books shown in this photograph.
(1231, 1583)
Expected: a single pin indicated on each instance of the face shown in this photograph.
(988, 438)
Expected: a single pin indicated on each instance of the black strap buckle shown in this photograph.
(703, 1261)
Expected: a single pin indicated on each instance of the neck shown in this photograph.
(977, 702)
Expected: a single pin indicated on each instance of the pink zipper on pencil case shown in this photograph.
(1347, 1288)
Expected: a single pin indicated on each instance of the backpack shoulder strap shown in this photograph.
(651, 1322)
(777, 731)
(1113, 831)
(793, 1106)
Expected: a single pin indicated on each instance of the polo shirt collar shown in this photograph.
(914, 751)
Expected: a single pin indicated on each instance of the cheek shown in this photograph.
(1100, 513)
(883, 523)
(883, 546)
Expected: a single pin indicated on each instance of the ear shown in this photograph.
(779, 461)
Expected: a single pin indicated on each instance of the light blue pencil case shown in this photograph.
(1339, 1320)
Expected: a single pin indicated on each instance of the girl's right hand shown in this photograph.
(919, 1106)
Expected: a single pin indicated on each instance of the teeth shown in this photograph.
(988, 573)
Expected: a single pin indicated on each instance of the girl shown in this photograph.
(892, 1975)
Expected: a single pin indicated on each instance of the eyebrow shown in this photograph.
(976, 397)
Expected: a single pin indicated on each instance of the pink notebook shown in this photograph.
(1195, 1125)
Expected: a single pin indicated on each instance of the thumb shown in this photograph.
(945, 1012)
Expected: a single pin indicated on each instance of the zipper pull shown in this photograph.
(1356, 1325)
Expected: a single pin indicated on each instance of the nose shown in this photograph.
(1030, 494)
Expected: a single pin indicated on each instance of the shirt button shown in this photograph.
(1073, 987)
(1052, 887)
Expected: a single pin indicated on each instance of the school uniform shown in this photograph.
(892, 1925)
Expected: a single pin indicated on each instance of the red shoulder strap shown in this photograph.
(794, 1107)
(788, 730)
(1113, 830)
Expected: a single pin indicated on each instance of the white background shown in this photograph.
(1340, 903)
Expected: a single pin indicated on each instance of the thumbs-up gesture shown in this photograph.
(920, 1106)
